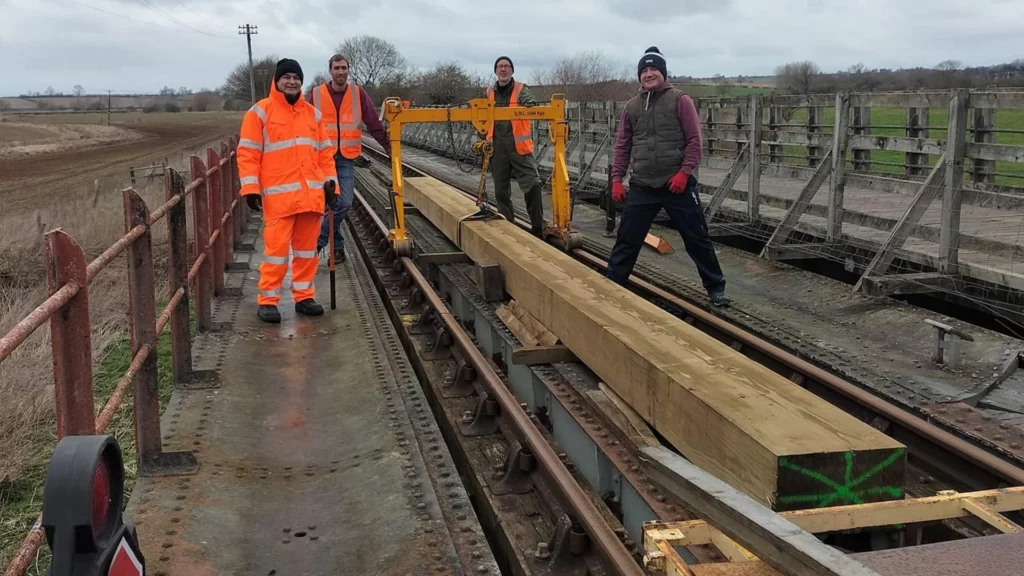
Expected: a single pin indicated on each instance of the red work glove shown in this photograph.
(618, 192)
(678, 182)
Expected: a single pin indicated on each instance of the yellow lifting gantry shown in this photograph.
(482, 113)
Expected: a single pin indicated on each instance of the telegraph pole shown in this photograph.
(249, 30)
(108, 107)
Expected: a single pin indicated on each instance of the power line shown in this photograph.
(151, 6)
(122, 15)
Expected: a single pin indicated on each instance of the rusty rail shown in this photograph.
(608, 544)
(217, 206)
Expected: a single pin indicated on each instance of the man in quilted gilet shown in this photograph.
(659, 138)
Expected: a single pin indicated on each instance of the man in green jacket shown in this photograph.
(513, 149)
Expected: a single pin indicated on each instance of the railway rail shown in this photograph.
(939, 457)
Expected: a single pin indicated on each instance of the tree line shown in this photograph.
(379, 66)
(806, 77)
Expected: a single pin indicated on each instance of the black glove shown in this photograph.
(255, 202)
(329, 188)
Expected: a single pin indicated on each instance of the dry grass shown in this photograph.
(27, 424)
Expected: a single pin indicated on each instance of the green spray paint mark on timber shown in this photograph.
(843, 493)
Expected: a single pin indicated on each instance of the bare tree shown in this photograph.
(949, 65)
(372, 60)
(796, 77)
(203, 100)
(449, 83)
(318, 79)
(402, 84)
(236, 85)
(78, 90)
(584, 68)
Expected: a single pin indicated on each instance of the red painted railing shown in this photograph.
(217, 207)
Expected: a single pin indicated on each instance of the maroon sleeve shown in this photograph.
(689, 121)
(373, 124)
(623, 146)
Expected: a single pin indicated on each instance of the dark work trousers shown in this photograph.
(506, 163)
(684, 209)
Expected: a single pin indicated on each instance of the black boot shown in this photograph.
(309, 307)
(270, 314)
(719, 298)
(339, 255)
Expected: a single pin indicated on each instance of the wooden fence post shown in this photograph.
(815, 118)
(956, 136)
(70, 337)
(917, 127)
(861, 125)
(837, 185)
(754, 164)
(984, 123)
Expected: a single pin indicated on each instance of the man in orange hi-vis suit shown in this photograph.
(286, 167)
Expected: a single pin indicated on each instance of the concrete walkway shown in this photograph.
(312, 450)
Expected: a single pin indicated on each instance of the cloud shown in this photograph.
(143, 45)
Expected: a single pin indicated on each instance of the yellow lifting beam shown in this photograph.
(482, 113)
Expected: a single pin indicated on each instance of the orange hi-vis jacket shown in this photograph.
(521, 130)
(285, 154)
(344, 125)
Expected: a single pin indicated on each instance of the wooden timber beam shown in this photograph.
(780, 543)
(732, 416)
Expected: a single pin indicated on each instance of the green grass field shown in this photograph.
(883, 121)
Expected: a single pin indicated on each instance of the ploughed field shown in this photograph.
(47, 157)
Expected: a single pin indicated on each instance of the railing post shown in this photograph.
(201, 224)
(142, 305)
(70, 337)
(213, 188)
(837, 186)
(754, 164)
(177, 277)
(952, 197)
(225, 193)
(241, 210)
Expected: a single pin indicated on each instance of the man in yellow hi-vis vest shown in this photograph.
(513, 148)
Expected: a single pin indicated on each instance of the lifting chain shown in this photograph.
(485, 149)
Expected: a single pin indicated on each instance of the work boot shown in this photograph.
(270, 314)
(718, 299)
(309, 307)
(339, 255)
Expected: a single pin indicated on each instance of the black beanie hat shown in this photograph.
(500, 58)
(286, 65)
(652, 57)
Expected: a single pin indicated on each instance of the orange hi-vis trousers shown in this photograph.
(297, 232)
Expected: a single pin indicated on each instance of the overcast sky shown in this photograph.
(143, 45)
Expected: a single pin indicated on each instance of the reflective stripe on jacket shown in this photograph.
(285, 155)
(522, 132)
(344, 125)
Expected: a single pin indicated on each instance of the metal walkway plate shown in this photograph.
(319, 453)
